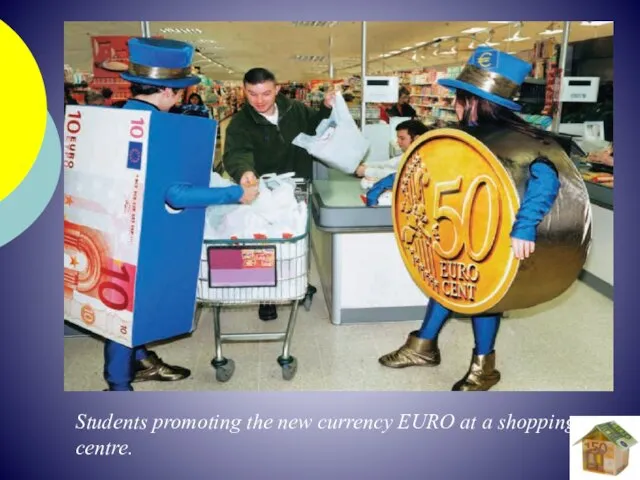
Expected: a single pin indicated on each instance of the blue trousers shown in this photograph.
(485, 327)
(119, 364)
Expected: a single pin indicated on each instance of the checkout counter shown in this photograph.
(362, 273)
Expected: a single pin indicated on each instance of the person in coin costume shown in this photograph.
(159, 71)
(484, 92)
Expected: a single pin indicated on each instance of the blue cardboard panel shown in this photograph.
(181, 150)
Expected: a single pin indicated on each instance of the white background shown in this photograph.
(580, 426)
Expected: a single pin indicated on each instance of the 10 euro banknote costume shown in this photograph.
(490, 217)
(136, 188)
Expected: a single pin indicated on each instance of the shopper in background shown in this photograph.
(258, 138)
(68, 98)
(124, 365)
(94, 98)
(406, 133)
(107, 93)
(402, 108)
(196, 107)
(482, 101)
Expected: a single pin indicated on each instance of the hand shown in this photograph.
(329, 98)
(248, 178)
(250, 194)
(360, 171)
(522, 248)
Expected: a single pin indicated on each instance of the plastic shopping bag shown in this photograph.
(338, 143)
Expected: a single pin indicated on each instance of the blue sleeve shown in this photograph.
(379, 188)
(541, 191)
(183, 195)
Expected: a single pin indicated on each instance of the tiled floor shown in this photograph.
(565, 345)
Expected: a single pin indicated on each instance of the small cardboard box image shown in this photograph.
(130, 264)
(605, 449)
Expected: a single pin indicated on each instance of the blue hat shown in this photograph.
(493, 75)
(160, 62)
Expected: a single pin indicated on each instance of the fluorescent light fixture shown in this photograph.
(419, 44)
(503, 21)
(474, 30)
(395, 52)
(180, 30)
(593, 24)
(309, 58)
(315, 24)
(552, 32)
(406, 48)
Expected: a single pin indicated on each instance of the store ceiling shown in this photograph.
(231, 48)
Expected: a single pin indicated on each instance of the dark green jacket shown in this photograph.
(252, 143)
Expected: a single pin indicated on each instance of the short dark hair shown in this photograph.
(414, 127)
(258, 75)
(141, 89)
(403, 91)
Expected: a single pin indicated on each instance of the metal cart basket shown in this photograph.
(246, 272)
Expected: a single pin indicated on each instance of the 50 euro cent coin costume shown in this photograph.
(455, 200)
(467, 199)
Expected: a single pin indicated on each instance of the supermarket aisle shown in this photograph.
(541, 349)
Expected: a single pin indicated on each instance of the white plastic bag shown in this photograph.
(338, 143)
(215, 214)
(274, 214)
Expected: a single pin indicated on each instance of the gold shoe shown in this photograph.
(153, 368)
(415, 352)
(482, 374)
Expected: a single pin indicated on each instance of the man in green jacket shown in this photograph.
(258, 138)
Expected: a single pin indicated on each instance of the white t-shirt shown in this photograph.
(379, 170)
(272, 118)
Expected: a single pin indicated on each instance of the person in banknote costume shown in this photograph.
(159, 72)
(484, 92)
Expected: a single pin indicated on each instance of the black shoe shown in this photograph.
(268, 312)
(153, 368)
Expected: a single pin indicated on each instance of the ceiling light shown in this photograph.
(551, 32)
(180, 30)
(419, 44)
(310, 58)
(593, 24)
(503, 21)
(315, 24)
(406, 48)
(474, 30)
(516, 38)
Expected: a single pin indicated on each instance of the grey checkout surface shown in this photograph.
(341, 218)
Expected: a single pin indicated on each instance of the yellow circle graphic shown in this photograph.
(22, 125)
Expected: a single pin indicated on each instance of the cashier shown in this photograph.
(406, 133)
(402, 108)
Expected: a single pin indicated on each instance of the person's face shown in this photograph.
(262, 96)
(193, 100)
(404, 98)
(168, 99)
(460, 107)
(404, 139)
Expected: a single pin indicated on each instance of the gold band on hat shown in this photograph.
(158, 73)
(489, 82)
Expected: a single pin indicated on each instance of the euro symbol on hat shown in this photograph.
(485, 60)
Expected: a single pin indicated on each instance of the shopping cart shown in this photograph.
(278, 273)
